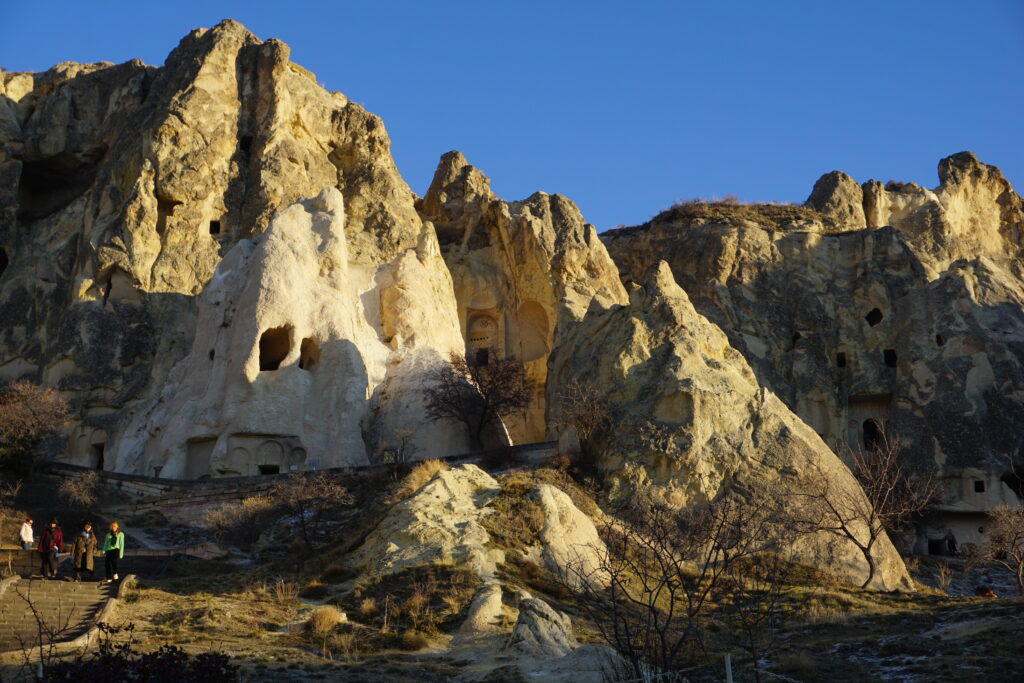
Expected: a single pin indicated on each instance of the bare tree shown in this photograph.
(50, 629)
(585, 410)
(28, 413)
(308, 498)
(891, 498)
(755, 606)
(1005, 542)
(80, 490)
(478, 394)
(662, 570)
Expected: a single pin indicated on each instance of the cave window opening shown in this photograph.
(270, 469)
(4, 261)
(309, 354)
(796, 338)
(213, 354)
(275, 344)
(96, 453)
(936, 546)
(841, 359)
(889, 356)
(979, 486)
(940, 340)
(483, 356)
(873, 438)
(873, 317)
(214, 227)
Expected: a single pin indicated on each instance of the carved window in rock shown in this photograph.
(483, 336)
(4, 261)
(275, 343)
(873, 317)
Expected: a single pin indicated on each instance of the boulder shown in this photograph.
(438, 523)
(541, 631)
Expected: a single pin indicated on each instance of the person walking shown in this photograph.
(113, 550)
(83, 550)
(51, 542)
(25, 535)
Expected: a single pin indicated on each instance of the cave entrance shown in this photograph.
(874, 435)
(270, 469)
(96, 456)
(275, 344)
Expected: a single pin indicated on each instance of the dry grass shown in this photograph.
(417, 478)
(428, 599)
(285, 591)
(729, 210)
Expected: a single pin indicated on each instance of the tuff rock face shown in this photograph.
(123, 186)
(911, 327)
(298, 352)
(523, 271)
(691, 421)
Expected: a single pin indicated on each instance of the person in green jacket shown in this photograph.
(113, 549)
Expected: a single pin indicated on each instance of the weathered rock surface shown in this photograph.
(123, 186)
(691, 420)
(297, 354)
(438, 523)
(839, 197)
(914, 329)
(570, 545)
(540, 630)
(522, 271)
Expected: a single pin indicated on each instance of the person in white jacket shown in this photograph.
(25, 535)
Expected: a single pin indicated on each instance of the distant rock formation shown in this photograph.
(910, 325)
(691, 423)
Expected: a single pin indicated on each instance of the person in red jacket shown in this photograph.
(50, 545)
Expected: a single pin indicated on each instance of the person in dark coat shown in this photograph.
(51, 543)
(84, 548)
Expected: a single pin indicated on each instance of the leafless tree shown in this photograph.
(755, 606)
(661, 571)
(478, 394)
(50, 630)
(28, 413)
(308, 498)
(80, 490)
(585, 410)
(890, 499)
(1005, 541)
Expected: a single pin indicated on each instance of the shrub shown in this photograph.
(323, 620)
(285, 591)
(28, 414)
(367, 607)
(414, 640)
(241, 523)
(417, 478)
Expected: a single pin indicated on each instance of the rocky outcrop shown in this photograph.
(541, 631)
(691, 421)
(522, 271)
(298, 353)
(123, 186)
(837, 196)
(438, 523)
(866, 332)
(570, 545)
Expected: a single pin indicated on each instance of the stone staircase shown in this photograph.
(68, 607)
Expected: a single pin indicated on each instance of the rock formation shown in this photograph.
(910, 328)
(123, 186)
(691, 421)
(523, 271)
(298, 353)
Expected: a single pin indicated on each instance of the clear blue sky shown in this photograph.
(623, 108)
